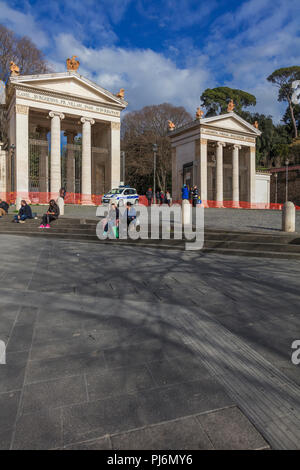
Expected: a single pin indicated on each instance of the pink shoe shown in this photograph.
(47, 226)
(42, 226)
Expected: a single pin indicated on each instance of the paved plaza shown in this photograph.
(113, 347)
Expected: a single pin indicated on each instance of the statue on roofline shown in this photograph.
(72, 64)
(255, 124)
(14, 69)
(171, 125)
(199, 113)
(230, 106)
(121, 94)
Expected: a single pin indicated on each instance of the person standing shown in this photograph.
(24, 213)
(184, 192)
(157, 196)
(112, 221)
(195, 194)
(168, 198)
(161, 197)
(149, 196)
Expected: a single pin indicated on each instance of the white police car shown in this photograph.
(121, 196)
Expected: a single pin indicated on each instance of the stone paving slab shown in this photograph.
(229, 429)
(89, 366)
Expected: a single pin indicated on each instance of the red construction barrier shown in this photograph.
(95, 199)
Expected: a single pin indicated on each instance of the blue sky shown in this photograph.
(167, 51)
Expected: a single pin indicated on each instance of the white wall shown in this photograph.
(262, 191)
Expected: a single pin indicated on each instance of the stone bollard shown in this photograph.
(288, 217)
(61, 204)
(186, 212)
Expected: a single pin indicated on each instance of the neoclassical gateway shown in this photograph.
(64, 131)
(218, 155)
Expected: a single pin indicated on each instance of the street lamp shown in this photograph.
(286, 179)
(154, 148)
(12, 167)
(276, 177)
(123, 165)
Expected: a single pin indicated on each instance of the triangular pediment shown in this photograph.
(231, 122)
(70, 84)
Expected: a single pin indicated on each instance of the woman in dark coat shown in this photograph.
(51, 214)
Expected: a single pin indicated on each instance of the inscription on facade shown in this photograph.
(67, 103)
(227, 134)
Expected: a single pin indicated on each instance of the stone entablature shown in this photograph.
(50, 98)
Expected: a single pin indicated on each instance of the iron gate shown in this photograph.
(39, 165)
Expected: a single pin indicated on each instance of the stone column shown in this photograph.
(55, 169)
(219, 175)
(203, 171)
(3, 175)
(86, 164)
(174, 174)
(235, 176)
(252, 176)
(43, 166)
(70, 163)
(21, 155)
(115, 154)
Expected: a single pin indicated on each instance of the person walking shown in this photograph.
(51, 214)
(24, 213)
(149, 196)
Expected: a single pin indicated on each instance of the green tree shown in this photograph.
(216, 100)
(272, 146)
(283, 78)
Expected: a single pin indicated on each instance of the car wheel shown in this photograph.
(136, 201)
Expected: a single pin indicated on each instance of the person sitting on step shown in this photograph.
(24, 213)
(3, 208)
(51, 214)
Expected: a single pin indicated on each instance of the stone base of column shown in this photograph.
(86, 200)
(235, 204)
(219, 204)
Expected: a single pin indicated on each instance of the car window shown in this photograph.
(116, 191)
(132, 191)
(127, 191)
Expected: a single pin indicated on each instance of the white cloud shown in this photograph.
(239, 49)
(147, 76)
(23, 24)
(249, 45)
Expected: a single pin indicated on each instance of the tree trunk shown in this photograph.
(293, 118)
